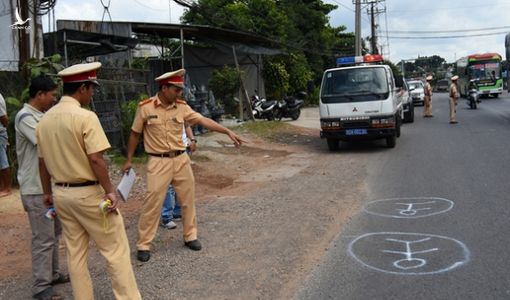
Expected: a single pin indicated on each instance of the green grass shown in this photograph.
(264, 129)
(118, 159)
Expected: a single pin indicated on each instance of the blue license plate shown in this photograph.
(355, 131)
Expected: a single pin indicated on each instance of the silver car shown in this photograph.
(416, 89)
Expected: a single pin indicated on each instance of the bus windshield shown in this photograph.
(485, 70)
(354, 85)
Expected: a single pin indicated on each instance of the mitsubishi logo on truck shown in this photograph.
(354, 109)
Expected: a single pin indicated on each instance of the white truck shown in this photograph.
(361, 99)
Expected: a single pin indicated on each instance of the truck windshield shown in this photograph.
(354, 85)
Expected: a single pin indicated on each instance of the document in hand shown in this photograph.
(126, 184)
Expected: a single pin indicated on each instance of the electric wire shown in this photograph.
(446, 31)
(446, 37)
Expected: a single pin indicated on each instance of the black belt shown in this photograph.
(168, 154)
(86, 183)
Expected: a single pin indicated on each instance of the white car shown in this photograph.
(416, 88)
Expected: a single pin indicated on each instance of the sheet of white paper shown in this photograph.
(126, 184)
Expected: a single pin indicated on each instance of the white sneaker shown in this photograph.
(169, 225)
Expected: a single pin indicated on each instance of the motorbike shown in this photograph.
(262, 108)
(473, 95)
(290, 107)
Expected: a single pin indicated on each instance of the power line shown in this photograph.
(146, 6)
(445, 37)
(447, 8)
(343, 5)
(447, 31)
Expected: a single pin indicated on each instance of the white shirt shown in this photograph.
(3, 111)
(26, 149)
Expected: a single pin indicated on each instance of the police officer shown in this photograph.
(71, 145)
(454, 96)
(427, 110)
(161, 119)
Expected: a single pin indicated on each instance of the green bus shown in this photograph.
(485, 69)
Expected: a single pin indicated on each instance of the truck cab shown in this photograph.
(361, 99)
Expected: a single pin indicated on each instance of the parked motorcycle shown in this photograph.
(473, 95)
(290, 107)
(262, 108)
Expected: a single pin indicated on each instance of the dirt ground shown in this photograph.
(267, 213)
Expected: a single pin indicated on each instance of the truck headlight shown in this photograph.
(326, 124)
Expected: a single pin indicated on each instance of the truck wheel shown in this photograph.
(391, 141)
(333, 144)
(409, 116)
(398, 122)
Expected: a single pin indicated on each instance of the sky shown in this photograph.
(402, 18)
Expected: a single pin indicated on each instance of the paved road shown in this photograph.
(442, 229)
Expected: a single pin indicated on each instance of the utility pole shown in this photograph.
(373, 40)
(24, 42)
(374, 11)
(357, 28)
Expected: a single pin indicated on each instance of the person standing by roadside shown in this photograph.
(454, 96)
(161, 119)
(71, 143)
(5, 170)
(45, 232)
(171, 207)
(427, 110)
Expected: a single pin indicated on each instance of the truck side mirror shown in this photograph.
(399, 82)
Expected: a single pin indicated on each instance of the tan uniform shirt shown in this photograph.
(66, 135)
(162, 126)
(428, 89)
(453, 91)
(26, 150)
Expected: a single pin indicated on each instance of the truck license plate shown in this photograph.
(355, 131)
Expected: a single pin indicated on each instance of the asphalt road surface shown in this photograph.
(435, 224)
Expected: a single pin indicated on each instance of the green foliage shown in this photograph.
(128, 111)
(225, 83)
(47, 66)
(396, 70)
(276, 79)
(299, 73)
(313, 99)
(140, 63)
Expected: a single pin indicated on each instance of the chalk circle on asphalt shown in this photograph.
(404, 253)
(408, 208)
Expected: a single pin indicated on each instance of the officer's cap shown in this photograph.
(174, 78)
(80, 73)
(455, 77)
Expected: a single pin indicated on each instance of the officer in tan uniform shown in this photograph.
(427, 110)
(161, 119)
(454, 96)
(71, 145)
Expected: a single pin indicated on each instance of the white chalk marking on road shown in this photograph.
(409, 262)
(413, 207)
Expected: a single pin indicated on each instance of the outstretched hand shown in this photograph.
(238, 141)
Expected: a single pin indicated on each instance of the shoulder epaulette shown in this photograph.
(180, 101)
(142, 103)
